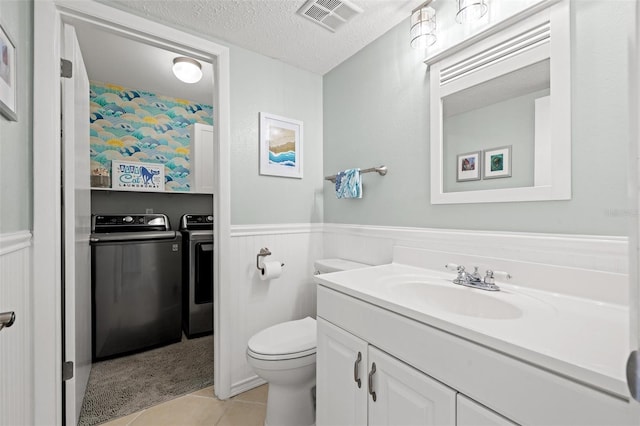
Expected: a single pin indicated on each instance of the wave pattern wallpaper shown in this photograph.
(139, 126)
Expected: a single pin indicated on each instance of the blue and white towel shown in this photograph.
(349, 184)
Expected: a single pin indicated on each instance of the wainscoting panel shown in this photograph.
(257, 304)
(16, 354)
(374, 245)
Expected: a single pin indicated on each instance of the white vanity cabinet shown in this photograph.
(202, 159)
(470, 413)
(420, 366)
(358, 384)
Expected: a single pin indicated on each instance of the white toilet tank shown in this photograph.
(325, 266)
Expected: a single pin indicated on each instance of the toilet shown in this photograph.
(285, 356)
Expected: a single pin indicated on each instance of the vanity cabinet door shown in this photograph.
(406, 396)
(340, 400)
(470, 413)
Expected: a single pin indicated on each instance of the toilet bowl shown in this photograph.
(285, 356)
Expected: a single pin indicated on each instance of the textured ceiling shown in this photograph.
(272, 27)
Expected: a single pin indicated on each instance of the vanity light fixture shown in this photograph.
(187, 69)
(423, 20)
(423, 26)
(471, 10)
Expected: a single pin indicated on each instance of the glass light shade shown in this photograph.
(423, 27)
(471, 10)
(187, 69)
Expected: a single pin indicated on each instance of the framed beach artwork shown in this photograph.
(468, 166)
(497, 162)
(8, 86)
(280, 146)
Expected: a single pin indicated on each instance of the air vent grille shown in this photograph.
(330, 14)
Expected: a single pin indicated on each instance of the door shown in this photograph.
(341, 383)
(406, 396)
(76, 218)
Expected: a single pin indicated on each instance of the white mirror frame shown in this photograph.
(528, 39)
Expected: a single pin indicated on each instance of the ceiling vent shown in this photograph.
(330, 14)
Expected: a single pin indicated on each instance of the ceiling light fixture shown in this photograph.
(471, 10)
(187, 69)
(423, 26)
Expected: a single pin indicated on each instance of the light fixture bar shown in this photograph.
(423, 26)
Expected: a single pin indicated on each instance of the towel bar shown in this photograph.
(382, 170)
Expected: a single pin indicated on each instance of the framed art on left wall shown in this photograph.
(8, 86)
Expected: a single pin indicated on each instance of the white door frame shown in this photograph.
(47, 317)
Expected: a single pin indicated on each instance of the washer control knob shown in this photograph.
(209, 218)
(127, 219)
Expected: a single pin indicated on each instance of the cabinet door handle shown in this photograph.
(356, 366)
(371, 373)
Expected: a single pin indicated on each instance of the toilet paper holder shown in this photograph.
(263, 253)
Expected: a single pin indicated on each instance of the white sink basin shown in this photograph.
(458, 300)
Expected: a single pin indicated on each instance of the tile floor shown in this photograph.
(203, 408)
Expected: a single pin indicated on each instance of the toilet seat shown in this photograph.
(288, 340)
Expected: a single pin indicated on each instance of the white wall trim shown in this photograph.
(275, 229)
(47, 316)
(533, 247)
(247, 384)
(14, 241)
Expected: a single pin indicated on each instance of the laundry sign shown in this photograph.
(132, 176)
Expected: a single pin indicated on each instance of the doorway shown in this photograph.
(50, 18)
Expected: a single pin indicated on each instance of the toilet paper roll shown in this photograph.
(270, 270)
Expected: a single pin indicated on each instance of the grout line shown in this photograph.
(139, 413)
(250, 402)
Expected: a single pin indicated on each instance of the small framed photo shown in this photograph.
(280, 146)
(468, 166)
(497, 163)
(8, 86)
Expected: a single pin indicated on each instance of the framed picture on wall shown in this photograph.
(468, 166)
(497, 163)
(280, 146)
(8, 86)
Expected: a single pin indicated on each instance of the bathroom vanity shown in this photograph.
(400, 344)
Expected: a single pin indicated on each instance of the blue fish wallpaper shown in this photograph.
(135, 125)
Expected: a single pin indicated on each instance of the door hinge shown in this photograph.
(67, 370)
(66, 68)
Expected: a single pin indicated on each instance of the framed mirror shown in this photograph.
(505, 98)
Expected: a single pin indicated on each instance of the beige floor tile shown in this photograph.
(123, 421)
(242, 413)
(185, 411)
(258, 394)
(208, 392)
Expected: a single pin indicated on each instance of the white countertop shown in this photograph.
(581, 339)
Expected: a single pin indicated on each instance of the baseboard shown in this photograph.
(247, 384)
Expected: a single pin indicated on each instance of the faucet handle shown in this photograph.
(502, 275)
(454, 267)
(489, 278)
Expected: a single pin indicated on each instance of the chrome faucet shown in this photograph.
(475, 280)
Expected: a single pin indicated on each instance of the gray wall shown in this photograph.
(172, 204)
(16, 140)
(263, 84)
(376, 111)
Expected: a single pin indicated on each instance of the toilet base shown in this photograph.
(288, 406)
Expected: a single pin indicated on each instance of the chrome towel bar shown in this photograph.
(382, 170)
(7, 319)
